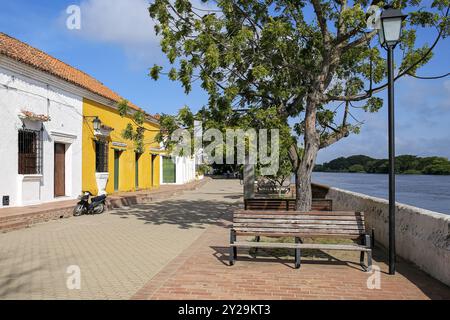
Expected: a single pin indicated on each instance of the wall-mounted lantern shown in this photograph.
(97, 123)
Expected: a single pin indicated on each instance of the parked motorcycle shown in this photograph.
(96, 205)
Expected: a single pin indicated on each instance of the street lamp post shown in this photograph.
(389, 33)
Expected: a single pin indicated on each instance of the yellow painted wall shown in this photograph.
(111, 118)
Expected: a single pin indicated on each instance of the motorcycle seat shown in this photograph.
(99, 198)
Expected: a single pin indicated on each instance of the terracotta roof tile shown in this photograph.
(40, 60)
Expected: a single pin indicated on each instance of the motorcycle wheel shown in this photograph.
(99, 209)
(78, 211)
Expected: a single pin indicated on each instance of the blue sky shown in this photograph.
(116, 45)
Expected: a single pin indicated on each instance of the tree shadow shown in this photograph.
(185, 214)
(13, 283)
(432, 288)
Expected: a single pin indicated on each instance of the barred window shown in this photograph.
(30, 152)
(101, 156)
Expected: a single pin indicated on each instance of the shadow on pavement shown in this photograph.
(184, 213)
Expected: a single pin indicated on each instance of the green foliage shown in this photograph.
(264, 54)
(130, 132)
(275, 59)
(405, 164)
(356, 168)
(203, 169)
(373, 104)
(123, 107)
(155, 71)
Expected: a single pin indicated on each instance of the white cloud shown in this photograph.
(123, 23)
(447, 86)
(126, 23)
(118, 21)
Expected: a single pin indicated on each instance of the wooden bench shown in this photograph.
(299, 225)
(285, 204)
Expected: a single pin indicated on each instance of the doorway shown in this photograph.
(60, 170)
(169, 170)
(136, 175)
(152, 169)
(117, 154)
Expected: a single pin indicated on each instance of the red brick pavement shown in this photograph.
(202, 272)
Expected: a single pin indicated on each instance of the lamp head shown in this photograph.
(391, 26)
(97, 123)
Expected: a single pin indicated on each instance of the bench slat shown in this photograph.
(297, 230)
(299, 221)
(310, 213)
(297, 217)
(285, 204)
(300, 235)
(317, 246)
(299, 226)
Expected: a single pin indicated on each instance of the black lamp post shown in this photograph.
(389, 33)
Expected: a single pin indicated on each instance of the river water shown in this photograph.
(423, 191)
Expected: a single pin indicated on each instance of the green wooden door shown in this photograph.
(169, 170)
(116, 169)
(136, 174)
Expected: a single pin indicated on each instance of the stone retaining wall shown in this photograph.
(422, 236)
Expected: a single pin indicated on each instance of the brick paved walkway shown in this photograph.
(118, 252)
(176, 248)
(16, 218)
(202, 272)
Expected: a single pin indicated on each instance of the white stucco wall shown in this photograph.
(32, 93)
(185, 170)
(422, 236)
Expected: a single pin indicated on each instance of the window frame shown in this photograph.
(101, 156)
(30, 157)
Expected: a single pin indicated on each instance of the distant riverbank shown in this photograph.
(406, 164)
(423, 191)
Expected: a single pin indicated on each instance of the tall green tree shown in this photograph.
(297, 56)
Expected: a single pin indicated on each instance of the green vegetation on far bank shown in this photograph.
(406, 164)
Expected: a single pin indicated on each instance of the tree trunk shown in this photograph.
(311, 148)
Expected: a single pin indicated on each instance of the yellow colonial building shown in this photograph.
(63, 134)
(110, 162)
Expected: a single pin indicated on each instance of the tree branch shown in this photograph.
(321, 20)
(332, 138)
(370, 92)
(294, 156)
(364, 39)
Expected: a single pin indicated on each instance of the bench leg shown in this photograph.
(297, 255)
(372, 242)
(361, 260)
(369, 261)
(231, 257)
(368, 243)
(233, 250)
(258, 239)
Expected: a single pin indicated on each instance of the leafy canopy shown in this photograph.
(283, 54)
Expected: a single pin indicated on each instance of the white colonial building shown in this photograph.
(177, 170)
(40, 133)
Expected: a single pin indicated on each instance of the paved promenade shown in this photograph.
(117, 252)
(176, 248)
